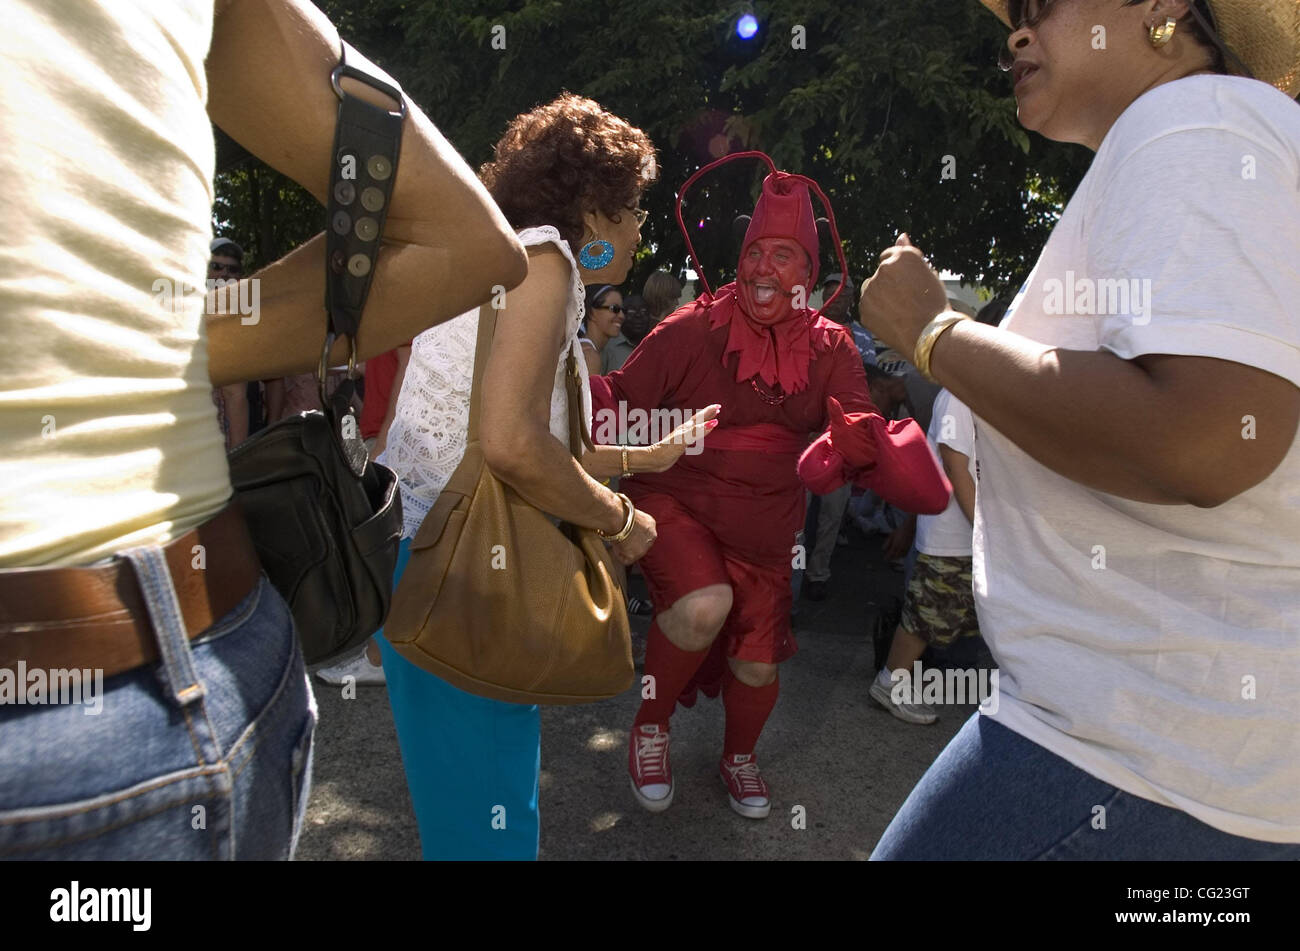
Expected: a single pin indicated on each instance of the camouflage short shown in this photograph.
(940, 603)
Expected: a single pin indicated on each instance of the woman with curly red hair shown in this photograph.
(568, 176)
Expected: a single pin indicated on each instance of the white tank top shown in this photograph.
(430, 427)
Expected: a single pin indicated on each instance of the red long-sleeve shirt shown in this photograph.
(752, 500)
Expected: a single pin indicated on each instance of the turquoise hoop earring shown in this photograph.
(594, 262)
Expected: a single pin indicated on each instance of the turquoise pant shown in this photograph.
(472, 764)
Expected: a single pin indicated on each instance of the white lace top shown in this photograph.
(427, 438)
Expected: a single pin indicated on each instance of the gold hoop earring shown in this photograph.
(1161, 35)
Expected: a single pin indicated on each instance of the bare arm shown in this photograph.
(1160, 429)
(957, 467)
(236, 397)
(607, 461)
(1151, 429)
(445, 246)
(515, 414)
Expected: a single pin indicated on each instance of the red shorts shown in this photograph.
(686, 556)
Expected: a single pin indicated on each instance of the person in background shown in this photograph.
(226, 265)
(636, 324)
(602, 323)
(841, 311)
(383, 376)
(939, 606)
(831, 508)
(663, 295)
(901, 540)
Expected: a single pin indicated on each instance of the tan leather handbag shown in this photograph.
(500, 601)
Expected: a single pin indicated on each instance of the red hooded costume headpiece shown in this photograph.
(779, 354)
(784, 210)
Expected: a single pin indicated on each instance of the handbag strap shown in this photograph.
(465, 479)
(487, 325)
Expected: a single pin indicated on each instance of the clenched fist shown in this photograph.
(902, 297)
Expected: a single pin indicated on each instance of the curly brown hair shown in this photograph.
(566, 158)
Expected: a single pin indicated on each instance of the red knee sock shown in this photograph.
(747, 710)
(671, 667)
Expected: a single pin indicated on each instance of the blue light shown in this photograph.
(747, 26)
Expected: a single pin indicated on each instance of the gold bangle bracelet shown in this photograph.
(627, 526)
(929, 336)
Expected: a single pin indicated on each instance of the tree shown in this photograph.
(895, 108)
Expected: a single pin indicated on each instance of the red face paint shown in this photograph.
(772, 275)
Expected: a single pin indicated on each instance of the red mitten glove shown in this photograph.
(851, 434)
(906, 473)
(821, 468)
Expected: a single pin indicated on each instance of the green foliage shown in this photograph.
(882, 93)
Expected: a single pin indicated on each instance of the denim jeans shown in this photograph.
(992, 794)
(204, 755)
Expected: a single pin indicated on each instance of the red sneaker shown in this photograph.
(648, 768)
(748, 792)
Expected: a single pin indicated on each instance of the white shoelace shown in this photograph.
(652, 755)
(751, 783)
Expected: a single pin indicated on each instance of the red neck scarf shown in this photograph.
(779, 354)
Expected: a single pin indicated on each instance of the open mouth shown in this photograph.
(763, 293)
(1022, 71)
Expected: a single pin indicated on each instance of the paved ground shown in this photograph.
(848, 764)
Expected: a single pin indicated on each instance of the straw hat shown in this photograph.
(1265, 34)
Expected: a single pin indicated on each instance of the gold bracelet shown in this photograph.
(626, 471)
(627, 526)
(926, 341)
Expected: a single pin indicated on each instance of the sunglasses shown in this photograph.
(613, 308)
(1030, 13)
(234, 269)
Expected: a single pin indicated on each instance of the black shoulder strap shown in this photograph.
(363, 168)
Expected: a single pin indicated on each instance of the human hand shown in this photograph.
(665, 453)
(899, 542)
(902, 297)
(632, 548)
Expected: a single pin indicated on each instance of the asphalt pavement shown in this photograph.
(837, 766)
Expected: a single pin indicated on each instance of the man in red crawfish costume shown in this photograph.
(727, 518)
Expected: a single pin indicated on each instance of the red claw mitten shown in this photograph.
(892, 458)
(851, 434)
(846, 447)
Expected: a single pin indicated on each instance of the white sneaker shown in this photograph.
(359, 668)
(882, 695)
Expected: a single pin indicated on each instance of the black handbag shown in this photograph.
(325, 521)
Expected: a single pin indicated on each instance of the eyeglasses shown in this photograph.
(613, 308)
(1023, 14)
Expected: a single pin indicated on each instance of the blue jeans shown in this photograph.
(204, 755)
(992, 794)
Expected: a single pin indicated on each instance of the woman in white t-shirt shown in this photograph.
(1137, 528)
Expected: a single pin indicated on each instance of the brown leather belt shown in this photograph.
(95, 617)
